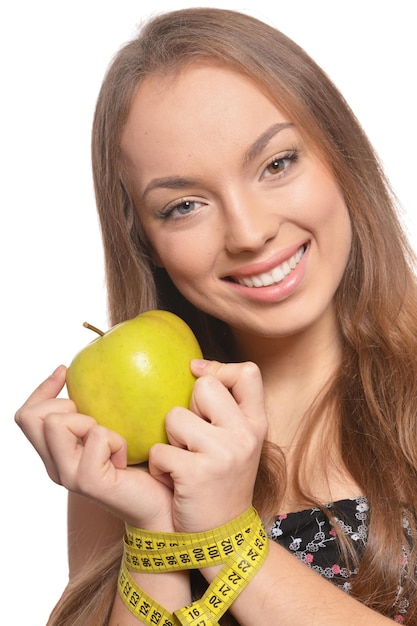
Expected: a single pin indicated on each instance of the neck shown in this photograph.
(297, 371)
(295, 368)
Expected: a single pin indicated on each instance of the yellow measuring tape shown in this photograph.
(241, 546)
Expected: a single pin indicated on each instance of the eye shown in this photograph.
(179, 209)
(279, 164)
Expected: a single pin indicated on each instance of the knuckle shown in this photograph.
(252, 440)
(205, 384)
(24, 416)
(55, 477)
(95, 434)
(18, 418)
(250, 370)
(98, 431)
(173, 416)
(51, 422)
(249, 445)
(155, 453)
(174, 413)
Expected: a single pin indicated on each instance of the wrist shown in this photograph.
(229, 556)
(157, 524)
(151, 598)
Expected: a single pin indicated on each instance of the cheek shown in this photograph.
(328, 219)
(336, 234)
(183, 260)
(332, 215)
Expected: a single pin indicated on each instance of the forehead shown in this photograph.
(204, 103)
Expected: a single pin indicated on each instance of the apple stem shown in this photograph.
(96, 330)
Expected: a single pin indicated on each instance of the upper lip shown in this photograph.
(255, 269)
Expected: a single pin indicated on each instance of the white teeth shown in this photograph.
(276, 275)
(267, 279)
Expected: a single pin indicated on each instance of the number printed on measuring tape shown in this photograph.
(240, 546)
(149, 540)
(237, 572)
(140, 604)
(188, 551)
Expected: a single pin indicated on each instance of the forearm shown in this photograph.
(91, 531)
(287, 592)
(171, 590)
(156, 594)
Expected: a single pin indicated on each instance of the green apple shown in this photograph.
(130, 377)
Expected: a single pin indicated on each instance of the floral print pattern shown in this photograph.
(313, 539)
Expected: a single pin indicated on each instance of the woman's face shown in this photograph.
(247, 221)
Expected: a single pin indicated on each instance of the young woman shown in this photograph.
(236, 188)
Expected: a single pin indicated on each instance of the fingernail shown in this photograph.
(199, 365)
(57, 370)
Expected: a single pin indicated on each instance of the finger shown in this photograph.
(228, 439)
(213, 402)
(243, 379)
(187, 430)
(83, 451)
(165, 459)
(102, 444)
(30, 417)
(40, 403)
(244, 382)
(48, 389)
(63, 435)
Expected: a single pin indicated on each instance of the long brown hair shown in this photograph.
(375, 389)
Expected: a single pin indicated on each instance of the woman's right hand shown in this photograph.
(91, 460)
(31, 416)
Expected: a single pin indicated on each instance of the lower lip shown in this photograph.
(279, 291)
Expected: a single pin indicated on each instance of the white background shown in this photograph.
(53, 56)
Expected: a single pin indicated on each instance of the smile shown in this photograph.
(276, 275)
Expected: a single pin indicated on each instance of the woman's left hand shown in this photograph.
(213, 458)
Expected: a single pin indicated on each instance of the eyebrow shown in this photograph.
(169, 182)
(263, 140)
(180, 182)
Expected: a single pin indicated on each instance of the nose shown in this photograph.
(249, 223)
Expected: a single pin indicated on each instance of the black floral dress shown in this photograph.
(312, 538)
